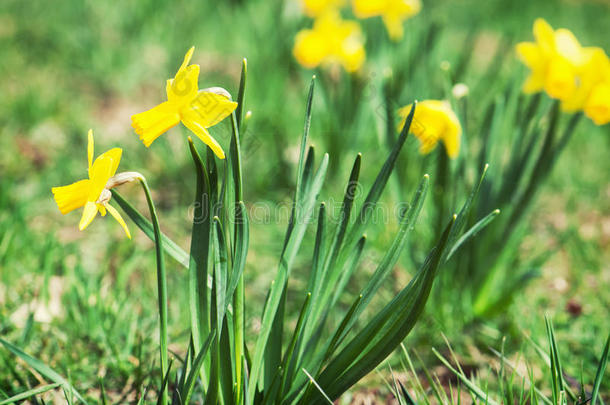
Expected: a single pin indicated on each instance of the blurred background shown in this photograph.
(67, 66)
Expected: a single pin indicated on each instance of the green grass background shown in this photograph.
(84, 302)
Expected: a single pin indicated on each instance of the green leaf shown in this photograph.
(187, 389)
(599, 376)
(170, 247)
(29, 393)
(385, 332)
(472, 232)
(199, 257)
(483, 396)
(303, 208)
(42, 368)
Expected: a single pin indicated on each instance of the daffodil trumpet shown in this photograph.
(197, 109)
(94, 193)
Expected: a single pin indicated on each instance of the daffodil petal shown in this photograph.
(89, 214)
(153, 123)
(544, 34)
(71, 197)
(187, 59)
(203, 134)
(118, 217)
(368, 8)
(394, 26)
(310, 48)
(184, 87)
(209, 108)
(101, 171)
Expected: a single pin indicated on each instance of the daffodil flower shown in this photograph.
(330, 41)
(94, 193)
(315, 8)
(393, 13)
(197, 109)
(434, 121)
(556, 60)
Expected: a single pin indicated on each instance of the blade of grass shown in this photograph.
(42, 368)
(30, 393)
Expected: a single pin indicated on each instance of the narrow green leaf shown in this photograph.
(378, 186)
(601, 369)
(241, 93)
(306, 128)
(170, 247)
(42, 368)
(187, 388)
(29, 393)
(199, 257)
(483, 396)
(472, 232)
(302, 212)
(387, 329)
(391, 257)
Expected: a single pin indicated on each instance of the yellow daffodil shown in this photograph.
(315, 8)
(393, 13)
(92, 193)
(331, 40)
(556, 60)
(434, 121)
(592, 95)
(196, 109)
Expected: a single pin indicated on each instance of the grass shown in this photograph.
(83, 303)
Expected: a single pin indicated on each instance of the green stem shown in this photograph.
(161, 286)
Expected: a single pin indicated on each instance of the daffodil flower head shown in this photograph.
(555, 60)
(93, 193)
(331, 41)
(393, 13)
(197, 109)
(315, 8)
(434, 121)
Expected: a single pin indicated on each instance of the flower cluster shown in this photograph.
(196, 109)
(333, 40)
(577, 76)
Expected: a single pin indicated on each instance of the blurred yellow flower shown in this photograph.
(315, 8)
(393, 13)
(92, 193)
(434, 121)
(196, 109)
(556, 59)
(577, 76)
(331, 40)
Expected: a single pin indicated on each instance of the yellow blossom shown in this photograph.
(556, 61)
(92, 193)
(196, 109)
(393, 13)
(331, 40)
(592, 94)
(434, 121)
(315, 8)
